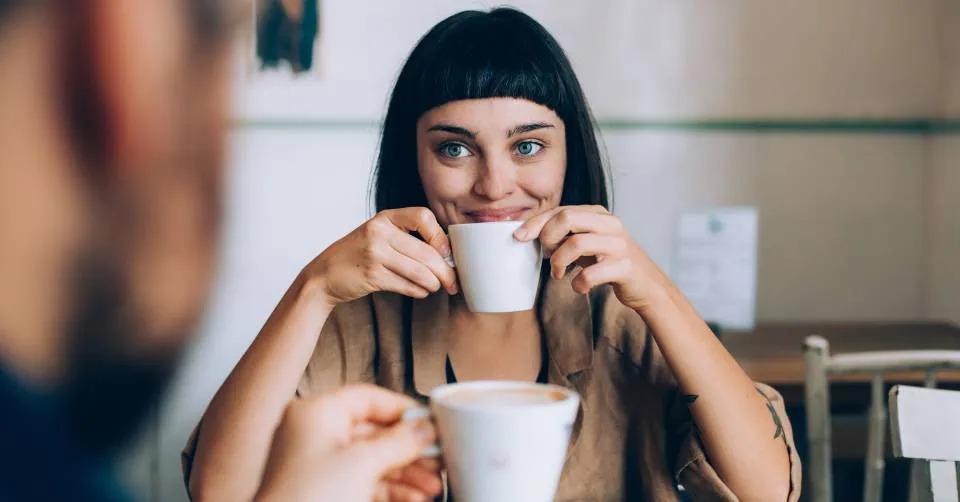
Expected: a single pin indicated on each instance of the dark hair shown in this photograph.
(476, 55)
(8, 8)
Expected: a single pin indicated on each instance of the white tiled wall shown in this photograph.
(842, 215)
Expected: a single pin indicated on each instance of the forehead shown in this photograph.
(489, 115)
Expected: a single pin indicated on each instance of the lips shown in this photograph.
(504, 214)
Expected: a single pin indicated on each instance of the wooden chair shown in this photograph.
(819, 365)
(925, 426)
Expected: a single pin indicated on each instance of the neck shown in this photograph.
(37, 217)
(502, 326)
(495, 346)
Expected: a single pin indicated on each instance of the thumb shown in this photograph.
(395, 447)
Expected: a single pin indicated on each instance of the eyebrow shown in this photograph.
(452, 129)
(520, 129)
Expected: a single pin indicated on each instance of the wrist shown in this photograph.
(312, 289)
(657, 299)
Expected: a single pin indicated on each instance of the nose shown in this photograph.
(497, 179)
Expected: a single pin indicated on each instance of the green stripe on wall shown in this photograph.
(825, 125)
(821, 125)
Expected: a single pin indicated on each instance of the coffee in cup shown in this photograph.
(503, 397)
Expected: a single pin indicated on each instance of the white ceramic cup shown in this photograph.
(502, 441)
(497, 273)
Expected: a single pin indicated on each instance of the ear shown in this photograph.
(136, 52)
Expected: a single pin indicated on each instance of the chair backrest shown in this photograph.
(819, 365)
(925, 425)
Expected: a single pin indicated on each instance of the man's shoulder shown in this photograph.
(38, 459)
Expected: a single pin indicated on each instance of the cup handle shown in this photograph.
(421, 413)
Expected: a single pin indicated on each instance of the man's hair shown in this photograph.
(7, 9)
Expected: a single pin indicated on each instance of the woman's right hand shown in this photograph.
(381, 255)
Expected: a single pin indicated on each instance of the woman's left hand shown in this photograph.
(595, 239)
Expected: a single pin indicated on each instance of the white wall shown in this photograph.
(291, 194)
(655, 59)
(842, 234)
(943, 186)
(950, 58)
(943, 229)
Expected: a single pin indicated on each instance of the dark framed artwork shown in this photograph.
(286, 37)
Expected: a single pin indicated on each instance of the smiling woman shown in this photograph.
(487, 122)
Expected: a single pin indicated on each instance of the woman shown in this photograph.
(487, 122)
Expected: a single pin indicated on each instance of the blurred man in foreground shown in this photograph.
(112, 123)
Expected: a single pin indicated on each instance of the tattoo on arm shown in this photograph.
(691, 398)
(773, 413)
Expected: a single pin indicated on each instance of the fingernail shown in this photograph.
(445, 250)
(521, 234)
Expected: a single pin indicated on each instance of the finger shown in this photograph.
(422, 479)
(579, 246)
(531, 228)
(427, 463)
(364, 403)
(387, 280)
(364, 430)
(428, 256)
(604, 272)
(403, 493)
(422, 221)
(411, 270)
(395, 447)
(575, 221)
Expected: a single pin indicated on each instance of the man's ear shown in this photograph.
(129, 88)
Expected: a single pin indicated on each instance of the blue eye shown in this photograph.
(528, 148)
(454, 150)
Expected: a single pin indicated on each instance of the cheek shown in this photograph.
(443, 184)
(173, 265)
(544, 181)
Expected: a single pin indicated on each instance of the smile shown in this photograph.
(488, 215)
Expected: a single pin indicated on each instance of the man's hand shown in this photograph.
(351, 445)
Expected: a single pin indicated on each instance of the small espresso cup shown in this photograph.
(497, 273)
(502, 441)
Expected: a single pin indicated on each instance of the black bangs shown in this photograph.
(477, 55)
